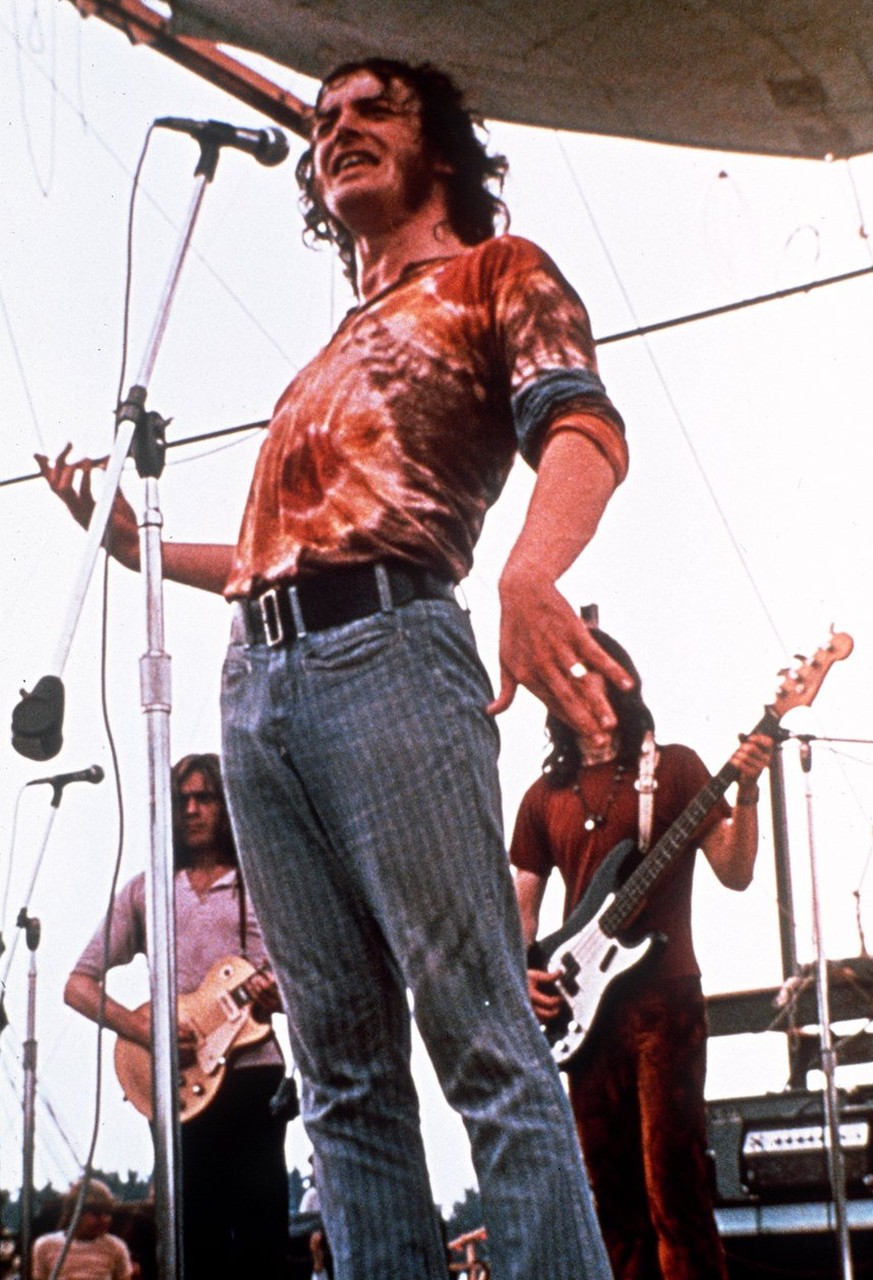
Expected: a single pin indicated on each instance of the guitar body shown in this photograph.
(589, 959)
(220, 1012)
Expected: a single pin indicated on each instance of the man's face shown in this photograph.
(369, 160)
(201, 812)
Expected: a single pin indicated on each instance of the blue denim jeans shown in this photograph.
(362, 779)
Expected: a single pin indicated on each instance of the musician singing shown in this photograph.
(360, 749)
(636, 1085)
(234, 1178)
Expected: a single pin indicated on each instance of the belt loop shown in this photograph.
(296, 611)
(383, 585)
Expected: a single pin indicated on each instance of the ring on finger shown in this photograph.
(578, 670)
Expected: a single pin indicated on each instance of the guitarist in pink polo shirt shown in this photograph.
(234, 1178)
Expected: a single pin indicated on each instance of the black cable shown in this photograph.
(640, 332)
(729, 307)
(88, 1166)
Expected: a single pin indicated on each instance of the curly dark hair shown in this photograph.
(209, 765)
(450, 133)
(561, 766)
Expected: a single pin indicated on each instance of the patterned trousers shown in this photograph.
(362, 780)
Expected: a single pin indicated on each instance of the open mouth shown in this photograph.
(350, 160)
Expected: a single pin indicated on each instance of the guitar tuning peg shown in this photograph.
(800, 657)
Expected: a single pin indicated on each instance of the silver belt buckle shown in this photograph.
(271, 619)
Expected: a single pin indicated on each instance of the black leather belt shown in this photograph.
(283, 613)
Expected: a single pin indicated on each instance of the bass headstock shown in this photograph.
(800, 684)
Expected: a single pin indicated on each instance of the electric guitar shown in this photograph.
(586, 950)
(222, 1016)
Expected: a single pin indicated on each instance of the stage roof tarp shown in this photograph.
(778, 77)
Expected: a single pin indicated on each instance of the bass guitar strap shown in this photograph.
(646, 785)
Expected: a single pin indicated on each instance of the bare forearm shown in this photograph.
(83, 994)
(542, 639)
(574, 484)
(732, 847)
(529, 892)
(203, 565)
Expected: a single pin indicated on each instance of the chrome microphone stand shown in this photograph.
(31, 927)
(36, 721)
(833, 1146)
(142, 434)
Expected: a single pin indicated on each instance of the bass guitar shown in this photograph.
(587, 951)
(221, 1012)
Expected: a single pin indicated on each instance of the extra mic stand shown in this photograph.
(142, 434)
(31, 928)
(833, 1146)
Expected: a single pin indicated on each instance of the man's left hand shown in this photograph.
(546, 647)
(544, 644)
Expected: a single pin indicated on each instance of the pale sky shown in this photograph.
(743, 531)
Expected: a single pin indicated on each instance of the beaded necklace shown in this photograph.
(593, 821)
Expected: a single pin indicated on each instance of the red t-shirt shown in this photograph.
(550, 832)
(397, 438)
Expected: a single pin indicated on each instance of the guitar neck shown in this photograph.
(633, 893)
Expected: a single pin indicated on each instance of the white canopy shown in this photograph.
(788, 78)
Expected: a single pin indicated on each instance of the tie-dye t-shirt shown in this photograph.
(397, 438)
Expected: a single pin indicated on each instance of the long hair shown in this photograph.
(97, 1197)
(562, 764)
(450, 133)
(208, 764)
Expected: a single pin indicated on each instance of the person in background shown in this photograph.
(234, 1180)
(636, 1086)
(319, 1251)
(92, 1253)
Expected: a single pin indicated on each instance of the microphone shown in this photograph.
(92, 774)
(268, 146)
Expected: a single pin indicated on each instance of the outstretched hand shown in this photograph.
(547, 648)
(71, 481)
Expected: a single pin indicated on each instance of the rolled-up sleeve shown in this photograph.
(550, 361)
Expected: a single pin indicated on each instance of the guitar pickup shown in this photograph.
(230, 1006)
(570, 971)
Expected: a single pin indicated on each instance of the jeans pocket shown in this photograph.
(352, 647)
(237, 667)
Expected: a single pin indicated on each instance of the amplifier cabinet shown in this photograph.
(773, 1147)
